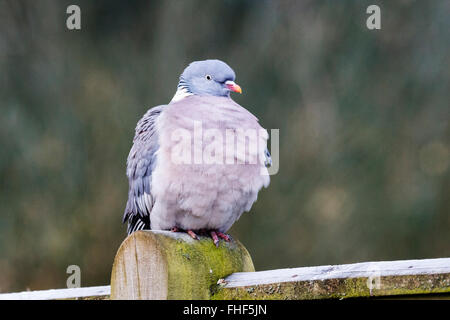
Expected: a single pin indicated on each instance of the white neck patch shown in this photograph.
(181, 94)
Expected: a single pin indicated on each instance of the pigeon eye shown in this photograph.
(208, 77)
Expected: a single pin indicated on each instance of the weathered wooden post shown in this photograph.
(168, 265)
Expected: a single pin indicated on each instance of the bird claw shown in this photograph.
(215, 238)
(189, 232)
(215, 235)
(192, 234)
(224, 236)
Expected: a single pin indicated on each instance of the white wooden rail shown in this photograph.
(91, 293)
(367, 279)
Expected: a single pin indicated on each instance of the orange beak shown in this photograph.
(232, 86)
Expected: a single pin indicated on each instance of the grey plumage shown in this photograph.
(162, 194)
(140, 164)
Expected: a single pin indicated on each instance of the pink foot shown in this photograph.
(192, 234)
(215, 238)
(223, 236)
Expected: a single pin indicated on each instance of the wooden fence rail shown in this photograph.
(367, 279)
(165, 265)
(86, 293)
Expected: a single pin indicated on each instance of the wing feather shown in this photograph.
(141, 162)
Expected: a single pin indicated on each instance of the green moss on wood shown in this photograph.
(339, 288)
(190, 268)
(195, 268)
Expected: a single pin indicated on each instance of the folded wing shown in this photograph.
(141, 162)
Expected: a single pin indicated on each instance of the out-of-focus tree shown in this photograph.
(363, 118)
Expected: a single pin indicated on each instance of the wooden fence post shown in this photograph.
(169, 265)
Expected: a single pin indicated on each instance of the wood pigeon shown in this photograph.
(224, 162)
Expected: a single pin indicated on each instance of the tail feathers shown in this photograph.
(136, 223)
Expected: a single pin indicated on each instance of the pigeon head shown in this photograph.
(208, 77)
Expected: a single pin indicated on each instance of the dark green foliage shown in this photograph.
(363, 118)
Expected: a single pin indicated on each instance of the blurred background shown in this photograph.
(363, 118)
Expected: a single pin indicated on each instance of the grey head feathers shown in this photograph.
(207, 77)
